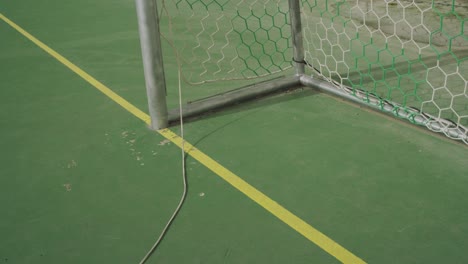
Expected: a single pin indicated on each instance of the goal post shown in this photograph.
(153, 65)
(407, 58)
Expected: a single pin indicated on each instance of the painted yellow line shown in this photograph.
(273, 207)
(97, 84)
(266, 202)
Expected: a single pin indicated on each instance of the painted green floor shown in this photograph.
(83, 181)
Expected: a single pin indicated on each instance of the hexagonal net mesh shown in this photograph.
(225, 39)
(410, 56)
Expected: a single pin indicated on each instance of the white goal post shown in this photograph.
(408, 58)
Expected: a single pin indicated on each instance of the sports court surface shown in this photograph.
(83, 180)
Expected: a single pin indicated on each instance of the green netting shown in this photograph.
(223, 39)
(410, 54)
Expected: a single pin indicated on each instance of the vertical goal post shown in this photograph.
(408, 58)
(153, 65)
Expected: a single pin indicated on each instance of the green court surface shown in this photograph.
(85, 181)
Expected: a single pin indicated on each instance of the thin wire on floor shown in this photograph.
(184, 176)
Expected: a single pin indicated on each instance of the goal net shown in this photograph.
(406, 57)
(228, 39)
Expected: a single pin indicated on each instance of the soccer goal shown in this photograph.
(408, 58)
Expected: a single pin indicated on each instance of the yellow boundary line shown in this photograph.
(273, 207)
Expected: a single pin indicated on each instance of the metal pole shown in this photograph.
(297, 38)
(148, 25)
(244, 94)
(386, 107)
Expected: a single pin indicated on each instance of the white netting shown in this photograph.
(225, 40)
(410, 54)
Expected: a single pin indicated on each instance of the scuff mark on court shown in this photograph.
(67, 187)
(164, 142)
